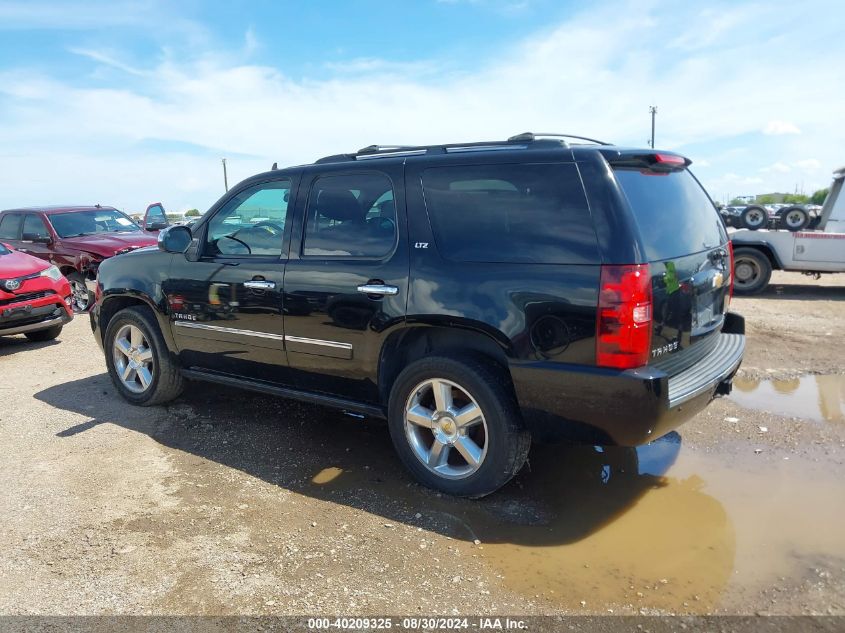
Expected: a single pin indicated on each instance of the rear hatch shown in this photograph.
(686, 246)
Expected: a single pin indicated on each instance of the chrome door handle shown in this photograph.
(378, 289)
(260, 285)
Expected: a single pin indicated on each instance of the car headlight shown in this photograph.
(52, 272)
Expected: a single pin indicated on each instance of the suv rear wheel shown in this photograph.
(138, 360)
(456, 425)
(752, 271)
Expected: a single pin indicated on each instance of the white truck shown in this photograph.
(821, 250)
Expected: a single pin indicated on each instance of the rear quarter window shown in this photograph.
(674, 214)
(522, 213)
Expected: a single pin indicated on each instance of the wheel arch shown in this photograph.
(763, 248)
(113, 303)
(418, 340)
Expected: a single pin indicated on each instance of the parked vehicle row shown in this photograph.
(472, 294)
(814, 252)
(796, 217)
(35, 298)
(77, 239)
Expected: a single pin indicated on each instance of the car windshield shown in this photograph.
(76, 223)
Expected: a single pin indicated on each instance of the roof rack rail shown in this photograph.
(528, 137)
(394, 151)
(374, 149)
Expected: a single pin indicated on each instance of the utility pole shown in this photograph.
(653, 111)
(225, 177)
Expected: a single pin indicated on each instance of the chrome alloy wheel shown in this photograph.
(445, 428)
(133, 358)
(80, 295)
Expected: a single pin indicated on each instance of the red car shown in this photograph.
(75, 239)
(35, 298)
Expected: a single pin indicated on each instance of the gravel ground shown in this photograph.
(226, 502)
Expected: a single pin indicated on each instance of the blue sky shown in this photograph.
(127, 102)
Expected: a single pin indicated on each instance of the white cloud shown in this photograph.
(780, 168)
(808, 164)
(594, 74)
(775, 128)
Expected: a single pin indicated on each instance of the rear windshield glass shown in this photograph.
(79, 223)
(510, 213)
(674, 214)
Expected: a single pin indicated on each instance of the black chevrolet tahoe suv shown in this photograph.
(471, 294)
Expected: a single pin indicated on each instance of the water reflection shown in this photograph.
(602, 525)
(820, 397)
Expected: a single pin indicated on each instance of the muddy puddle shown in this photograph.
(820, 398)
(656, 528)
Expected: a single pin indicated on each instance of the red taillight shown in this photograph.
(624, 319)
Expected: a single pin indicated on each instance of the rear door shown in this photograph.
(685, 244)
(346, 281)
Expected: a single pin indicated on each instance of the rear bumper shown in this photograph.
(630, 407)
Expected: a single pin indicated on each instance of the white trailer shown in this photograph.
(822, 250)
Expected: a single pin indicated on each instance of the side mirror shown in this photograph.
(35, 238)
(174, 239)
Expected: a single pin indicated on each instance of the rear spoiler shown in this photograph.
(653, 161)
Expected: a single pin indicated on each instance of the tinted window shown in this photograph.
(251, 223)
(33, 226)
(76, 223)
(156, 215)
(350, 216)
(510, 213)
(10, 225)
(674, 214)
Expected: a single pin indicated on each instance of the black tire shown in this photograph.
(82, 299)
(506, 439)
(167, 381)
(794, 219)
(40, 336)
(755, 218)
(752, 271)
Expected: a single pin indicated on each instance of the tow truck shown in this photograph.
(813, 252)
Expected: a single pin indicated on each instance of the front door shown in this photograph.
(226, 307)
(35, 237)
(346, 280)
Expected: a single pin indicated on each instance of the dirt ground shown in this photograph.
(226, 502)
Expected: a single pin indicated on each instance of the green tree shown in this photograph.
(819, 196)
(765, 199)
(795, 198)
(736, 202)
(192, 213)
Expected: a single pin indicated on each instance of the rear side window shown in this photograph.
(528, 213)
(10, 225)
(675, 216)
(33, 226)
(350, 216)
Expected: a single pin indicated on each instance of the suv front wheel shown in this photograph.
(456, 425)
(138, 360)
